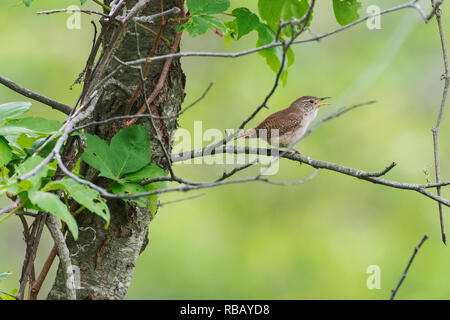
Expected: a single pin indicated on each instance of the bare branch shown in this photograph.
(162, 204)
(174, 10)
(373, 177)
(382, 172)
(9, 208)
(37, 284)
(32, 240)
(226, 175)
(35, 96)
(416, 249)
(435, 129)
(72, 10)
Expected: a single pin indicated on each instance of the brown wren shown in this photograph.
(291, 123)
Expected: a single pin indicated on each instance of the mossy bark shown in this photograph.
(106, 258)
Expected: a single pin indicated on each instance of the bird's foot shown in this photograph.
(297, 152)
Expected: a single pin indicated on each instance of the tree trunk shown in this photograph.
(106, 258)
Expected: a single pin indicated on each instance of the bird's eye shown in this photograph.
(311, 101)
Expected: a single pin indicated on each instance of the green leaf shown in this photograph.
(153, 199)
(7, 297)
(29, 125)
(82, 2)
(5, 152)
(346, 11)
(245, 22)
(126, 188)
(274, 11)
(148, 172)
(13, 109)
(130, 188)
(207, 6)
(33, 183)
(50, 202)
(294, 9)
(4, 275)
(198, 25)
(195, 26)
(44, 151)
(128, 152)
(213, 23)
(25, 141)
(84, 195)
(270, 11)
(131, 146)
(97, 155)
(35, 180)
(274, 55)
(151, 202)
(27, 2)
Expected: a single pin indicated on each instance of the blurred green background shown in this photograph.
(259, 241)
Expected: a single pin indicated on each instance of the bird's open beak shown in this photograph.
(323, 104)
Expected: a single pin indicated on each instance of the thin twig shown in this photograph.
(162, 38)
(10, 208)
(32, 242)
(162, 204)
(37, 284)
(35, 96)
(416, 249)
(148, 19)
(8, 294)
(72, 10)
(435, 129)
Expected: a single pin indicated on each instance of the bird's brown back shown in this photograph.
(285, 121)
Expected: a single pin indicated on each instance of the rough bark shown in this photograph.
(107, 257)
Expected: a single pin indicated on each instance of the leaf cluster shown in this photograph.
(25, 141)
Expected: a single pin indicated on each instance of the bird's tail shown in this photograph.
(250, 133)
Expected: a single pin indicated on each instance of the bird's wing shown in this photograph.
(287, 123)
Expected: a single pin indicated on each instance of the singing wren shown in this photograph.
(291, 123)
